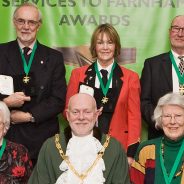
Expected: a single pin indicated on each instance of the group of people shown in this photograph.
(103, 104)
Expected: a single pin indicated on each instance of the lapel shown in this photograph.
(167, 69)
(40, 58)
(113, 94)
(90, 73)
(14, 58)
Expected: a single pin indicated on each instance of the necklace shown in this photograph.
(83, 175)
(168, 177)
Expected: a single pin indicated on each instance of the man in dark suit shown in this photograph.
(38, 74)
(162, 74)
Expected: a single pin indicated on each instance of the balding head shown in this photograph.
(82, 114)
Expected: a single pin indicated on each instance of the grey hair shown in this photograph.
(29, 5)
(168, 99)
(5, 113)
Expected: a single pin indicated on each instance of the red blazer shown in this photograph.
(125, 125)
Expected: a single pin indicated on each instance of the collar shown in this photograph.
(176, 57)
(108, 68)
(22, 46)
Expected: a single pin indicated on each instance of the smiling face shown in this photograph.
(27, 23)
(173, 121)
(176, 34)
(82, 114)
(105, 49)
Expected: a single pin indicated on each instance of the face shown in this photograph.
(173, 121)
(1, 126)
(176, 34)
(27, 24)
(105, 49)
(82, 114)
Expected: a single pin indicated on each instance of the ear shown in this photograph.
(67, 114)
(99, 111)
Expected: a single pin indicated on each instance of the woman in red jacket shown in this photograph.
(115, 88)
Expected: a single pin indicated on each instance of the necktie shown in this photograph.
(181, 69)
(104, 76)
(181, 64)
(26, 50)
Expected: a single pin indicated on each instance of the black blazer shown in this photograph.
(50, 85)
(156, 81)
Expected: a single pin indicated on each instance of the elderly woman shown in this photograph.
(15, 165)
(114, 88)
(161, 160)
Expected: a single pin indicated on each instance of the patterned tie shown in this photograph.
(104, 76)
(26, 55)
(181, 69)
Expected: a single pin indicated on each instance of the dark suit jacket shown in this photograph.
(50, 86)
(156, 81)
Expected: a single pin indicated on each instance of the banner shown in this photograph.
(143, 27)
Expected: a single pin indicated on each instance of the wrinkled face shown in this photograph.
(173, 121)
(105, 49)
(26, 23)
(176, 33)
(2, 127)
(82, 115)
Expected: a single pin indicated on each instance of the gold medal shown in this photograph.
(181, 89)
(26, 79)
(104, 100)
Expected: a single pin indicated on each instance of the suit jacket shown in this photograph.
(50, 91)
(125, 123)
(156, 81)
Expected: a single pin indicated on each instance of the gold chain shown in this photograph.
(85, 173)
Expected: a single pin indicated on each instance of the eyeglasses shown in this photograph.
(31, 23)
(177, 117)
(176, 29)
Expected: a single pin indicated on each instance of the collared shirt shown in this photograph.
(174, 74)
(30, 46)
(108, 68)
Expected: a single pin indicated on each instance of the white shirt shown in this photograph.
(174, 74)
(109, 68)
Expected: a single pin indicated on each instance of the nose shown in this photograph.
(105, 45)
(26, 25)
(181, 32)
(81, 116)
(173, 120)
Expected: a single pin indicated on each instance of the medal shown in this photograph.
(103, 87)
(26, 79)
(181, 89)
(104, 100)
(26, 66)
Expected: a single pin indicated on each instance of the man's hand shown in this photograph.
(20, 117)
(130, 161)
(17, 99)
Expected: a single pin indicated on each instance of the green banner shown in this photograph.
(143, 27)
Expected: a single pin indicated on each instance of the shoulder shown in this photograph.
(114, 145)
(49, 50)
(80, 69)
(7, 45)
(129, 72)
(148, 146)
(157, 58)
(16, 146)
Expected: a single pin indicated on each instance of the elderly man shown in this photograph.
(162, 74)
(39, 84)
(82, 154)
